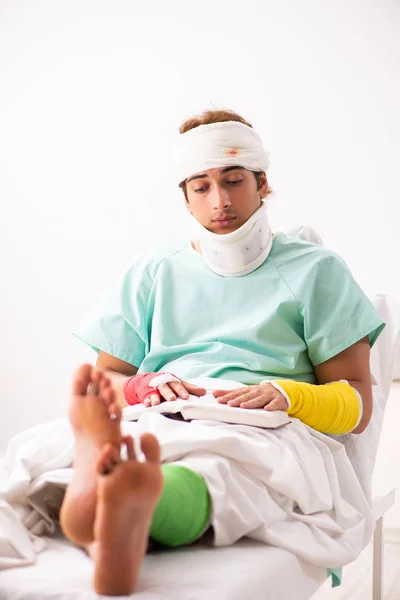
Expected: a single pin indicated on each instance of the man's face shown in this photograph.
(223, 199)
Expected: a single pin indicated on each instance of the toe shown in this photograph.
(114, 456)
(107, 395)
(104, 385)
(130, 447)
(102, 463)
(82, 379)
(107, 459)
(95, 382)
(150, 447)
(115, 411)
(97, 376)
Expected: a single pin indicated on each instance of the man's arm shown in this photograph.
(117, 371)
(353, 365)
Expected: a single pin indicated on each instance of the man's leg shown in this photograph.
(183, 510)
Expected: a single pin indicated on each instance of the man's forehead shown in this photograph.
(211, 172)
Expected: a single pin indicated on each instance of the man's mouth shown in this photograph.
(224, 219)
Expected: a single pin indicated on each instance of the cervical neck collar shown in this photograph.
(240, 252)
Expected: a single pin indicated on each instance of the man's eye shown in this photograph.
(235, 181)
(200, 190)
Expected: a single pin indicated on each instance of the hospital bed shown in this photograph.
(246, 570)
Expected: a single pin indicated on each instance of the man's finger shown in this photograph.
(274, 405)
(152, 400)
(219, 393)
(228, 397)
(258, 402)
(231, 394)
(166, 392)
(235, 403)
(245, 394)
(222, 400)
(244, 397)
(194, 389)
(179, 389)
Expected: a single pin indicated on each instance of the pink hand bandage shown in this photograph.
(139, 387)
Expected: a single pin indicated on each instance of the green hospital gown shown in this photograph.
(170, 312)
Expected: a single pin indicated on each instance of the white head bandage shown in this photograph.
(219, 145)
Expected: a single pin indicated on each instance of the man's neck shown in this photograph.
(196, 245)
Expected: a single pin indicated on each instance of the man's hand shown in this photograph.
(171, 391)
(263, 395)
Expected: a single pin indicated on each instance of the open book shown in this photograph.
(207, 408)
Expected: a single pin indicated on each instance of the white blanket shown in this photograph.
(293, 487)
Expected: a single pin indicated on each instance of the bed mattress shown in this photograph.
(246, 570)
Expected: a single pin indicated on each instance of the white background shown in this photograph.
(91, 93)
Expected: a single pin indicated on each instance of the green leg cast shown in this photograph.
(183, 509)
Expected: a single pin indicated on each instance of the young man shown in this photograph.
(279, 315)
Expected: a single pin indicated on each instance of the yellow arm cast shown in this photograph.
(331, 408)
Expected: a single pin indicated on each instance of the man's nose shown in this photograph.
(221, 198)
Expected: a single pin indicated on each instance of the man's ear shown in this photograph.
(188, 206)
(263, 185)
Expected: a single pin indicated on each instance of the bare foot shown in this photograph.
(127, 498)
(95, 418)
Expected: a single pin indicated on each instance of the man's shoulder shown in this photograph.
(142, 268)
(164, 251)
(298, 258)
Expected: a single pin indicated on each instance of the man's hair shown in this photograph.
(215, 116)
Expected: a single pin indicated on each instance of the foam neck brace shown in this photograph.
(240, 252)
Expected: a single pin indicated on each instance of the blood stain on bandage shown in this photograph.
(232, 151)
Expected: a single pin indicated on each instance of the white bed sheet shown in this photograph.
(246, 570)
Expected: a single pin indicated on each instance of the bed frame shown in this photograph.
(380, 505)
